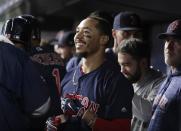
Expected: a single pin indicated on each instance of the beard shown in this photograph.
(135, 77)
(81, 55)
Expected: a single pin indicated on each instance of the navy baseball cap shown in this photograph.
(174, 30)
(127, 21)
(66, 39)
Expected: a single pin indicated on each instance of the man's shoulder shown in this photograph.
(11, 52)
(44, 56)
(153, 77)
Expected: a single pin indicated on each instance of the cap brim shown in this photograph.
(165, 35)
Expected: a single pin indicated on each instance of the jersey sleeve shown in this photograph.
(118, 111)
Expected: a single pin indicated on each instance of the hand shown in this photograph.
(53, 122)
(89, 117)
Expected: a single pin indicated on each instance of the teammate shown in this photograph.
(109, 55)
(65, 46)
(6, 40)
(166, 108)
(134, 59)
(126, 25)
(95, 93)
(48, 63)
(20, 98)
(35, 29)
(18, 30)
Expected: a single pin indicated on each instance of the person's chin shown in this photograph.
(81, 54)
(131, 79)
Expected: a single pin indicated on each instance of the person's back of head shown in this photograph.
(18, 31)
(35, 28)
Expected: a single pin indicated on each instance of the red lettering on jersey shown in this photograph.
(85, 102)
(56, 74)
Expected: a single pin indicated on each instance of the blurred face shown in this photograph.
(129, 67)
(119, 35)
(65, 52)
(87, 38)
(172, 52)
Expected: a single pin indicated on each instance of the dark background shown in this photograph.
(56, 15)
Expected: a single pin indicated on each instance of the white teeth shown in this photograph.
(79, 44)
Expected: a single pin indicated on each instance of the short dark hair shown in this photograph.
(105, 21)
(134, 47)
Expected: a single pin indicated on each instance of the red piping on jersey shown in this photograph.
(114, 125)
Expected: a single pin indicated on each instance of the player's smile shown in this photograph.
(79, 44)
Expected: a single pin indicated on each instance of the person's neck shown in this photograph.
(144, 72)
(93, 62)
(175, 69)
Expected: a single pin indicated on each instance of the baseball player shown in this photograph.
(126, 25)
(64, 45)
(166, 106)
(23, 94)
(110, 55)
(95, 95)
(35, 29)
(134, 59)
(48, 63)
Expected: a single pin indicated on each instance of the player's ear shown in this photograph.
(114, 33)
(104, 39)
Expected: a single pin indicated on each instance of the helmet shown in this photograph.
(35, 27)
(17, 30)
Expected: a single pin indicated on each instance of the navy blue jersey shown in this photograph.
(22, 91)
(105, 90)
(52, 69)
(167, 106)
(72, 63)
